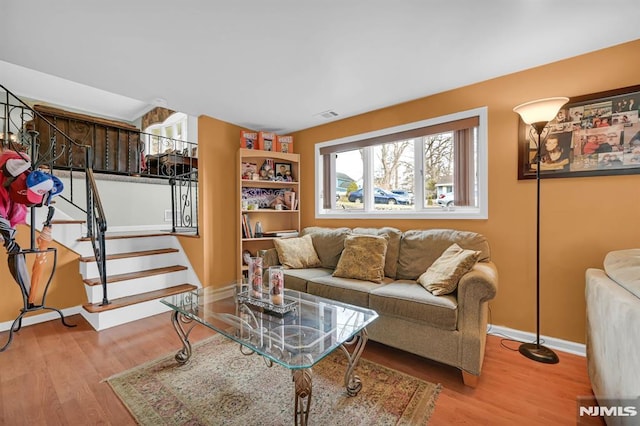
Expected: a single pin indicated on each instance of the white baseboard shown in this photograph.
(46, 316)
(496, 330)
(550, 342)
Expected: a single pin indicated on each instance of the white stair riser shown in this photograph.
(67, 234)
(119, 289)
(111, 318)
(124, 245)
(131, 264)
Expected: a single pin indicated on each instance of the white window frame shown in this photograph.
(481, 211)
(160, 131)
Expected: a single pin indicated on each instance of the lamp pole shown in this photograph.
(538, 114)
(536, 351)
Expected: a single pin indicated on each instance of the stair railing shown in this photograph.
(184, 202)
(96, 226)
(18, 132)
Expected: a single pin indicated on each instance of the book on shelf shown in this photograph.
(287, 233)
(246, 227)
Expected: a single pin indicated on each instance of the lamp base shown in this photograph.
(538, 353)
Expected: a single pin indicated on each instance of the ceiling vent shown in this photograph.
(327, 114)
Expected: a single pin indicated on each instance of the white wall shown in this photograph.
(127, 201)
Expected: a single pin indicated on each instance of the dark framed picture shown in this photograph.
(284, 172)
(592, 135)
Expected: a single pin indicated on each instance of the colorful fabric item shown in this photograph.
(38, 185)
(11, 210)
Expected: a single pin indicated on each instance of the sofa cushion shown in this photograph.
(393, 246)
(296, 252)
(363, 258)
(269, 257)
(296, 279)
(347, 290)
(623, 267)
(406, 299)
(420, 248)
(328, 243)
(443, 275)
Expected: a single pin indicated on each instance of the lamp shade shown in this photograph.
(541, 110)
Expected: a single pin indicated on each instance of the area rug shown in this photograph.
(221, 386)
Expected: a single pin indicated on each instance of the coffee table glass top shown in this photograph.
(311, 328)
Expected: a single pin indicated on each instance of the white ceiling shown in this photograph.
(276, 64)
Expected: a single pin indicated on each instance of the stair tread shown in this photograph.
(136, 234)
(138, 274)
(67, 221)
(131, 254)
(138, 298)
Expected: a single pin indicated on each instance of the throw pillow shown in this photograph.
(443, 275)
(328, 242)
(296, 253)
(393, 246)
(362, 258)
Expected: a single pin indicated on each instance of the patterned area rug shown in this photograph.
(220, 386)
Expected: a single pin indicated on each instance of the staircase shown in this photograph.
(142, 268)
(124, 275)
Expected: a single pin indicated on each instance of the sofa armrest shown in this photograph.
(475, 289)
(479, 284)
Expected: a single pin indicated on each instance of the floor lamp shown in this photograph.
(538, 113)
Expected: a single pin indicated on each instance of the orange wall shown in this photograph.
(66, 289)
(582, 218)
(218, 144)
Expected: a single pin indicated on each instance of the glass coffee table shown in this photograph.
(295, 334)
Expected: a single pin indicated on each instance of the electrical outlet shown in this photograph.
(167, 216)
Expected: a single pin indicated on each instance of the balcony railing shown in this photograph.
(117, 147)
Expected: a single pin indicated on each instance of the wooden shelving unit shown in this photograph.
(272, 220)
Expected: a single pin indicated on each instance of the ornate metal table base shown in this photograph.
(302, 381)
(302, 378)
(177, 319)
(352, 382)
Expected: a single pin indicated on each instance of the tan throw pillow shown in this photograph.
(443, 275)
(362, 258)
(393, 246)
(296, 253)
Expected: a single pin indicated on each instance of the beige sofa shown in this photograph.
(613, 332)
(450, 329)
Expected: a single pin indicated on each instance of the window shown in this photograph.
(435, 168)
(168, 135)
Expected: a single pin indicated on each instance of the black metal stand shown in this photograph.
(29, 307)
(536, 351)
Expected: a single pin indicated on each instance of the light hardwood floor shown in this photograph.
(53, 375)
